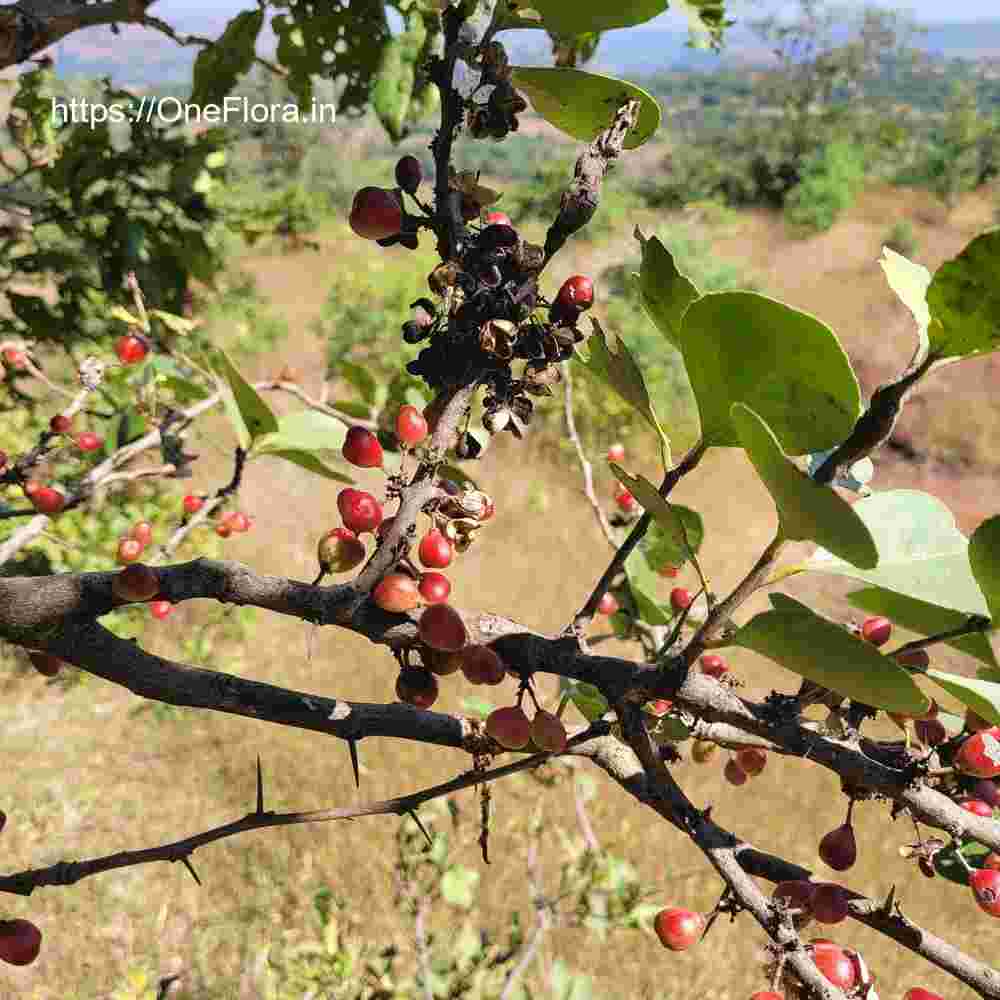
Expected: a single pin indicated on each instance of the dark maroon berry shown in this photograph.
(409, 174)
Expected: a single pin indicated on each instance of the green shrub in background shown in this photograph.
(831, 179)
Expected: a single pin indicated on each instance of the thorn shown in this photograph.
(260, 789)
(352, 745)
(890, 901)
(416, 819)
(194, 874)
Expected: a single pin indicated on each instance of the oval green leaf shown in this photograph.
(983, 697)
(984, 558)
(311, 463)
(910, 281)
(305, 430)
(255, 415)
(681, 529)
(571, 17)
(642, 583)
(664, 292)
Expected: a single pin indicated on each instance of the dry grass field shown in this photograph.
(85, 777)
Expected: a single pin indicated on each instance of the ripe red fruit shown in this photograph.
(441, 627)
(136, 584)
(46, 500)
(834, 963)
(876, 630)
(626, 501)
(396, 592)
(608, 604)
(919, 993)
(89, 441)
(237, 521)
(142, 532)
(987, 791)
(45, 663)
(839, 848)
(711, 663)
(498, 219)
(510, 727)
(223, 530)
(481, 665)
(160, 609)
(409, 174)
(734, 774)
(3, 460)
(766, 995)
(60, 423)
(411, 427)
(376, 213)
(680, 598)
(752, 760)
(977, 807)
(917, 658)
(616, 453)
(678, 929)
(192, 504)
(576, 292)
(659, 708)
(985, 883)
(979, 755)
(14, 358)
(361, 448)
(417, 686)
(435, 550)
(20, 941)
(339, 551)
(992, 860)
(129, 550)
(131, 349)
(360, 510)
(548, 732)
(829, 903)
(434, 587)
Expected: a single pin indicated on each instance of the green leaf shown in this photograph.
(801, 641)
(924, 619)
(173, 322)
(787, 366)
(922, 554)
(255, 416)
(458, 886)
(909, 281)
(984, 558)
(664, 292)
(392, 90)
(610, 361)
(305, 430)
(642, 583)
(983, 697)
(219, 65)
(308, 461)
(121, 313)
(584, 104)
(964, 301)
(806, 509)
(587, 698)
(573, 17)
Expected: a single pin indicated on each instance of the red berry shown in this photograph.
(142, 532)
(678, 929)
(616, 453)
(238, 521)
(834, 963)
(668, 570)
(481, 665)
(435, 550)
(919, 993)
(131, 349)
(441, 627)
(192, 504)
(3, 460)
(733, 773)
(20, 941)
(136, 584)
(626, 501)
(752, 760)
(659, 708)
(339, 551)
(361, 448)
(985, 883)
(992, 860)
(396, 592)
(979, 755)
(434, 587)
(46, 500)
(977, 807)
(829, 903)
(45, 663)
(547, 732)
(711, 663)
(876, 630)
(160, 609)
(417, 686)
(60, 423)
(14, 358)
(411, 427)
(223, 530)
(987, 791)
(376, 213)
(680, 599)
(766, 995)
(839, 848)
(497, 219)
(510, 727)
(608, 604)
(576, 292)
(409, 174)
(361, 511)
(129, 550)
(89, 441)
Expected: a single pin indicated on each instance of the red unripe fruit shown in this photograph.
(339, 551)
(131, 349)
(916, 658)
(411, 427)
(626, 501)
(979, 755)
(839, 848)
(376, 213)
(46, 500)
(678, 929)
(734, 774)
(766, 995)
(930, 732)
(974, 723)
(434, 587)
(136, 584)
(192, 504)
(409, 173)
(142, 532)
(608, 604)
(712, 664)
(60, 423)
(89, 441)
(14, 358)
(45, 663)
(829, 903)
(441, 627)
(482, 666)
(876, 630)
(238, 521)
(977, 807)
(680, 599)
(360, 511)
(992, 861)
(510, 727)
(987, 791)
(435, 550)
(659, 708)
(223, 530)
(498, 219)
(417, 686)
(752, 760)
(834, 963)
(20, 941)
(548, 732)
(919, 993)
(361, 448)
(129, 550)
(576, 292)
(160, 609)
(616, 453)
(396, 592)
(985, 883)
